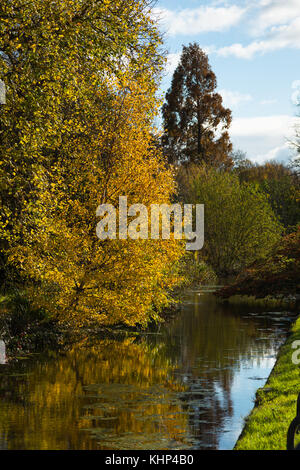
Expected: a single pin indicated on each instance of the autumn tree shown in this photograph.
(281, 184)
(195, 121)
(77, 132)
(84, 279)
(240, 225)
(54, 56)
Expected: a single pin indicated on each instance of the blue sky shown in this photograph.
(254, 50)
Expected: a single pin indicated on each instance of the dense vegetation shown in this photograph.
(277, 274)
(77, 131)
(240, 224)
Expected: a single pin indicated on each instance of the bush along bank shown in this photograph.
(267, 426)
(24, 328)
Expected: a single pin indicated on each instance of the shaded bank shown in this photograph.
(277, 275)
(267, 426)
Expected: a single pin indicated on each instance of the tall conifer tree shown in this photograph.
(195, 121)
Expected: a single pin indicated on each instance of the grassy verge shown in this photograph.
(266, 427)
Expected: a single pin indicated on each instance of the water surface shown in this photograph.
(188, 385)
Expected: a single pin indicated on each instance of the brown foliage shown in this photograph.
(279, 274)
(193, 113)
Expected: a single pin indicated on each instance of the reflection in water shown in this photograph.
(188, 386)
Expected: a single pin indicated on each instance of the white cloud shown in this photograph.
(265, 126)
(280, 154)
(199, 20)
(278, 38)
(268, 102)
(232, 99)
(275, 12)
(264, 137)
(275, 24)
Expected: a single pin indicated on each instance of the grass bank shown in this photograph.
(266, 427)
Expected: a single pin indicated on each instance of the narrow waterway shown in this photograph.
(187, 386)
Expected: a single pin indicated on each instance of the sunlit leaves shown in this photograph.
(77, 131)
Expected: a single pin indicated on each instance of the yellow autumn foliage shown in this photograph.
(83, 108)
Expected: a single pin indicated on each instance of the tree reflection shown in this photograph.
(171, 390)
(109, 395)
